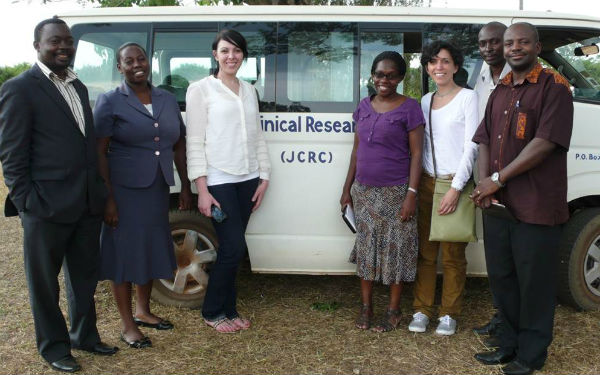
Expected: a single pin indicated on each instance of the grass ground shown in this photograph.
(288, 337)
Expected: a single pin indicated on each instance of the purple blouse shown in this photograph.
(383, 155)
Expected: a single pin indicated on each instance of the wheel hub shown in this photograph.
(591, 267)
(193, 253)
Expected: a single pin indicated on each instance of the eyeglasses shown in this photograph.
(390, 76)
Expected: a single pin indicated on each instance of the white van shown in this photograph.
(311, 66)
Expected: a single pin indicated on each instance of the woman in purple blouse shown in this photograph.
(381, 185)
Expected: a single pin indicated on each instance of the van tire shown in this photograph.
(194, 258)
(579, 254)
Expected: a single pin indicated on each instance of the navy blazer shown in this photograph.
(49, 166)
(140, 142)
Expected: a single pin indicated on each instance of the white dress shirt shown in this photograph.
(453, 127)
(485, 85)
(223, 131)
(68, 92)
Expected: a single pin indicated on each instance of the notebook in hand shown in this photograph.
(348, 216)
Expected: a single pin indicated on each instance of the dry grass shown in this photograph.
(287, 337)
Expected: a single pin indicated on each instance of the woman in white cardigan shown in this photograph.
(229, 163)
(451, 116)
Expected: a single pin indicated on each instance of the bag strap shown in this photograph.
(431, 135)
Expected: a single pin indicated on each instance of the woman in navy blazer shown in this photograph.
(140, 133)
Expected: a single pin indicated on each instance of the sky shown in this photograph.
(19, 17)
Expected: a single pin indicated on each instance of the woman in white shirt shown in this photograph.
(454, 119)
(229, 163)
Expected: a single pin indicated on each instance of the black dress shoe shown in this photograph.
(485, 329)
(102, 349)
(492, 342)
(66, 364)
(142, 343)
(495, 357)
(490, 328)
(162, 325)
(517, 367)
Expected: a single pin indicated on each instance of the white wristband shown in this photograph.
(412, 189)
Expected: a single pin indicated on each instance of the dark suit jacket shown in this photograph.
(49, 166)
(140, 142)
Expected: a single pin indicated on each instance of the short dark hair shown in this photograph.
(432, 49)
(37, 32)
(394, 57)
(532, 28)
(125, 45)
(495, 25)
(232, 37)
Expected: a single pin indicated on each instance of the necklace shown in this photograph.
(446, 94)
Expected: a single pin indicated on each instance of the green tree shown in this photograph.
(588, 65)
(128, 3)
(593, 67)
(416, 3)
(7, 72)
(412, 79)
(95, 73)
(191, 72)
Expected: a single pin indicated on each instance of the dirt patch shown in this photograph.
(287, 337)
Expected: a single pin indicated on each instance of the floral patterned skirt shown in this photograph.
(386, 248)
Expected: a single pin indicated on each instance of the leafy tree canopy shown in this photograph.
(7, 72)
(128, 3)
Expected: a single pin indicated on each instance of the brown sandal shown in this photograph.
(389, 322)
(363, 321)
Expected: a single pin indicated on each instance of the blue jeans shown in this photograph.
(235, 200)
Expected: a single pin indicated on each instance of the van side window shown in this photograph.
(373, 43)
(183, 57)
(316, 65)
(95, 62)
(179, 59)
(322, 70)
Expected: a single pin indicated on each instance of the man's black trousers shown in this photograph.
(521, 261)
(49, 246)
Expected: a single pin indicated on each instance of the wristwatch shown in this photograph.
(496, 179)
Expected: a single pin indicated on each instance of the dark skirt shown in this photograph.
(386, 248)
(140, 248)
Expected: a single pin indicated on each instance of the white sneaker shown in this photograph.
(419, 323)
(447, 326)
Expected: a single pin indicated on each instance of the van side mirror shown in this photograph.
(592, 49)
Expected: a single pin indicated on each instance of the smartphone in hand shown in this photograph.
(218, 214)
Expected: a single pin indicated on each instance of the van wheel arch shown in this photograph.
(579, 261)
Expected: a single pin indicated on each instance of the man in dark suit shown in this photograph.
(47, 150)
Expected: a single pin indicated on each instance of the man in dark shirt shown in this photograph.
(523, 143)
